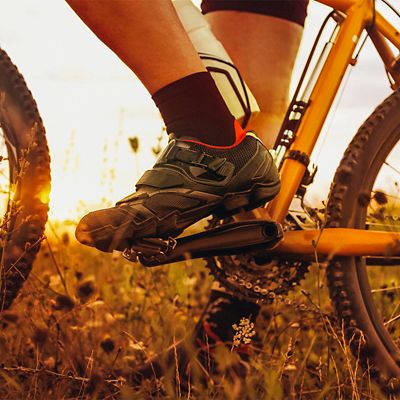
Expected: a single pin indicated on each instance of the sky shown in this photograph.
(91, 103)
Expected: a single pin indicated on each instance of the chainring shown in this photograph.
(258, 276)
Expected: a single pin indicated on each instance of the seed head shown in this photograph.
(64, 302)
(86, 290)
(380, 198)
(108, 345)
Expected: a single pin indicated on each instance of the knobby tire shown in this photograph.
(23, 225)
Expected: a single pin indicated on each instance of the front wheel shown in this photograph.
(366, 195)
(24, 181)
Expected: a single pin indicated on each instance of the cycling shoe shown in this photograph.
(189, 181)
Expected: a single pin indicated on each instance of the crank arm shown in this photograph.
(234, 238)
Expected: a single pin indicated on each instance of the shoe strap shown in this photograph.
(162, 178)
(192, 157)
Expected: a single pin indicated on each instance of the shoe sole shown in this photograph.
(173, 224)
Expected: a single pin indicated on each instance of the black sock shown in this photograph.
(222, 311)
(193, 106)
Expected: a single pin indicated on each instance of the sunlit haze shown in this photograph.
(92, 103)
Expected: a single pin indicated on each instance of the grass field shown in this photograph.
(86, 321)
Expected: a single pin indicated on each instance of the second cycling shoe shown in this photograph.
(189, 181)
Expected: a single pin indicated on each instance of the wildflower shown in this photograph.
(244, 332)
(107, 344)
(380, 198)
(65, 238)
(134, 142)
(64, 302)
(86, 290)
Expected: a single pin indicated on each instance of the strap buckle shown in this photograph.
(193, 157)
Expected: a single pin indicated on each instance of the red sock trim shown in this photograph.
(240, 134)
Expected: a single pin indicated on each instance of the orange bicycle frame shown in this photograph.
(358, 15)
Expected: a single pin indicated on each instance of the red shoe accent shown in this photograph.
(240, 134)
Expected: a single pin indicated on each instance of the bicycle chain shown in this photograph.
(250, 277)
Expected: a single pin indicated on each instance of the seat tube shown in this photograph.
(321, 99)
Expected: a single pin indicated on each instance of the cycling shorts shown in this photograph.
(291, 10)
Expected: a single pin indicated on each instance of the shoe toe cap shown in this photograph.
(102, 228)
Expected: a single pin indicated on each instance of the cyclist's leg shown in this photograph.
(149, 38)
(215, 167)
(262, 37)
(134, 31)
(190, 178)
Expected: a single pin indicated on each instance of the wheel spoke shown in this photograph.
(389, 289)
(392, 320)
(391, 166)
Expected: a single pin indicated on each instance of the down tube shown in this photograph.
(321, 100)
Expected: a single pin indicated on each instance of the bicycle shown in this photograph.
(358, 238)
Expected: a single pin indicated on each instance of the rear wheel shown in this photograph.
(366, 195)
(24, 180)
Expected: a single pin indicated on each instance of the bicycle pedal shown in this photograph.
(149, 248)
